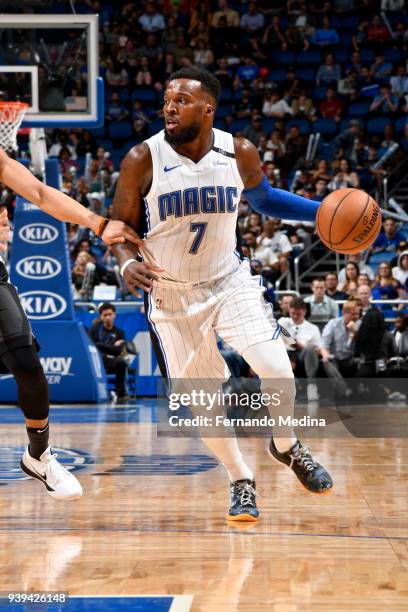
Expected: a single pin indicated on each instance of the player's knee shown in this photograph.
(25, 366)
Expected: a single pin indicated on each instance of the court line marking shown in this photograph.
(180, 603)
(202, 532)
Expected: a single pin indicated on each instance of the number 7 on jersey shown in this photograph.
(200, 229)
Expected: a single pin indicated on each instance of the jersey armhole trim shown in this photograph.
(155, 171)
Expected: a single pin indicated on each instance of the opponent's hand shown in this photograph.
(140, 275)
(5, 232)
(117, 232)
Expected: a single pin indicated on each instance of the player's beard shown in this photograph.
(187, 134)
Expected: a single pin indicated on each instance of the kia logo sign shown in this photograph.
(38, 233)
(38, 267)
(40, 305)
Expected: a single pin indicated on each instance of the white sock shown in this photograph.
(227, 451)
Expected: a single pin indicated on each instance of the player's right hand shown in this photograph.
(140, 275)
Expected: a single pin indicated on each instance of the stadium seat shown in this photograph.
(155, 126)
(377, 124)
(348, 22)
(302, 124)
(285, 58)
(226, 96)
(358, 109)
(306, 74)
(223, 111)
(268, 124)
(277, 74)
(326, 127)
(377, 258)
(326, 151)
(219, 124)
(366, 56)
(120, 130)
(393, 55)
(238, 125)
(340, 56)
(400, 124)
(144, 94)
(309, 58)
(319, 93)
(99, 132)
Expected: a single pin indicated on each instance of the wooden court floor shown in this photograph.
(151, 522)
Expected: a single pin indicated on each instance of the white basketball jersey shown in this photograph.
(192, 211)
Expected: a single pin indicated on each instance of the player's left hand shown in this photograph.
(117, 232)
(5, 232)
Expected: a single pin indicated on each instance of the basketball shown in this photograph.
(348, 221)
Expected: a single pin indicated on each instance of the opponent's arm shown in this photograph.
(58, 205)
(135, 177)
(261, 196)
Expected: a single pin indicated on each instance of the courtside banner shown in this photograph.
(71, 363)
(39, 265)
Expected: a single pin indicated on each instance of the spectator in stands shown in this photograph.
(66, 162)
(246, 73)
(331, 282)
(144, 75)
(381, 69)
(360, 37)
(363, 279)
(349, 285)
(182, 52)
(377, 32)
(344, 177)
(401, 34)
(284, 304)
(229, 14)
(401, 246)
(254, 223)
(364, 294)
(306, 344)
(302, 108)
(329, 72)
(400, 335)
(254, 130)
(322, 307)
(295, 39)
(331, 107)
(152, 50)
(116, 111)
(347, 140)
(295, 146)
(400, 271)
(62, 143)
(292, 85)
(385, 102)
(366, 82)
(388, 238)
(84, 262)
(321, 190)
(404, 140)
(111, 343)
(399, 82)
(203, 56)
(388, 136)
(277, 241)
(362, 267)
(276, 145)
(116, 75)
(275, 105)
(349, 85)
(170, 34)
(385, 286)
(244, 108)
(273, 37)
(224, 74)
(151, 20)
(337, 345)
(326, 35)
(373, 345)
(253, 20)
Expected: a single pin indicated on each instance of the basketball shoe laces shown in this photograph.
(53, 469)
(247, 495)
(303, 457)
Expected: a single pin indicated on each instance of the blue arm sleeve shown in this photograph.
(279, 203)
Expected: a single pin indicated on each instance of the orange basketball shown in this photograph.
(348, 221)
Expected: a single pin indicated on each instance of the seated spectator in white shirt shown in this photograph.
(400, 271)
(322, 307)
(275, 106)
(363, 267)
(265, 255)
(337, 348)
(304, 352)
(278, 242)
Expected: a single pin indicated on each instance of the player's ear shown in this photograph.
(210, 110)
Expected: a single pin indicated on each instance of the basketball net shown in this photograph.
(11, 116)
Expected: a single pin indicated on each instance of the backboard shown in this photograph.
(51, 62)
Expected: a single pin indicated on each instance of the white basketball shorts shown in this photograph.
(186, 322)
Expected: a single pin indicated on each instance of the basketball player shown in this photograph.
(18, 348)
(187, 181)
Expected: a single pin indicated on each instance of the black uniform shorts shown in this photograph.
(15, 329)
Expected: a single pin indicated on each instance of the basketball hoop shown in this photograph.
(11, 116)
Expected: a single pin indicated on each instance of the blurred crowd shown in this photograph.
(321, 88)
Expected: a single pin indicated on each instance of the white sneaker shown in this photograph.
(60, 483)
(312, 393)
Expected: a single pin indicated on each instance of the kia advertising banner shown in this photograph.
(39, 266)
